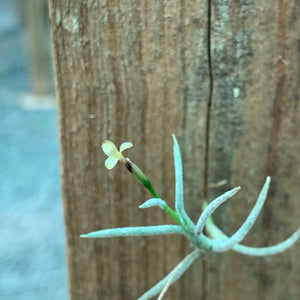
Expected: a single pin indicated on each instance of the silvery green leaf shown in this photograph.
(135, 231)
(175, 274)
(179, 202)
(211, 207)
(271, 250)
(153, 202)
(216, 233)
(244, 229)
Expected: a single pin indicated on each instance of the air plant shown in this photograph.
(215, 240)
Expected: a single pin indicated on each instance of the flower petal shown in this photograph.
(109, 148)
(125, 146)
(110, 162)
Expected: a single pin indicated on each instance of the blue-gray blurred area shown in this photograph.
(32, 241)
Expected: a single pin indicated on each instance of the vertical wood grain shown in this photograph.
(37, 30)
(128, 71)
(141, 70)
(255, 116)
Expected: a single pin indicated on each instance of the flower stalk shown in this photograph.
(140, 176)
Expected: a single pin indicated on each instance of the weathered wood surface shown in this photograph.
(223, 76)
(39, 47)
(254, 133)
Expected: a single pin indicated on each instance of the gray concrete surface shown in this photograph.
(32, 243)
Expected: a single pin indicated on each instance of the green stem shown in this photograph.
(143, 179)
(148, 185)
(172, 213)
(166, 208)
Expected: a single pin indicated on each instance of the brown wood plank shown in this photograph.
(138, 71)
(128, 71)
(254, 132)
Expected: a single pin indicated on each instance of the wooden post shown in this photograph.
(254, 120)
(220, 75)
(36, 22)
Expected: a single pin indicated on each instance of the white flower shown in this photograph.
(113, 154)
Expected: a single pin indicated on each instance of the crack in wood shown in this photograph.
(207, 137)
(209, 104)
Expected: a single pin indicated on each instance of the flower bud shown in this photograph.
(139, 175)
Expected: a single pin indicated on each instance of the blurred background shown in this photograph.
(32, 244)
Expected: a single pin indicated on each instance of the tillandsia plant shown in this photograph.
(216, 240)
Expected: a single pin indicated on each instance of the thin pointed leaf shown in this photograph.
(163, 205)
(271, 250)
(179, 204)
(216, 233)
(135, 231)
(178, 270)
(153, 202)
(211, 207)
(244, 229)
